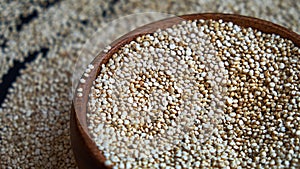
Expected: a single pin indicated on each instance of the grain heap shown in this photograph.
(141, 102)
(64, 27)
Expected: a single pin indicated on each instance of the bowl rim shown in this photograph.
(79, 103)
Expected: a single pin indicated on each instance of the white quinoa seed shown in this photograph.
(82, 80)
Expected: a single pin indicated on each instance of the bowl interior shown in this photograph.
(80, 103)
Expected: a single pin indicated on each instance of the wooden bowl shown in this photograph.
(86, 152)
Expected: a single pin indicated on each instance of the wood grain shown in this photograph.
(86, 152)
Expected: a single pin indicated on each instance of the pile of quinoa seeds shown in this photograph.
(200, 94)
